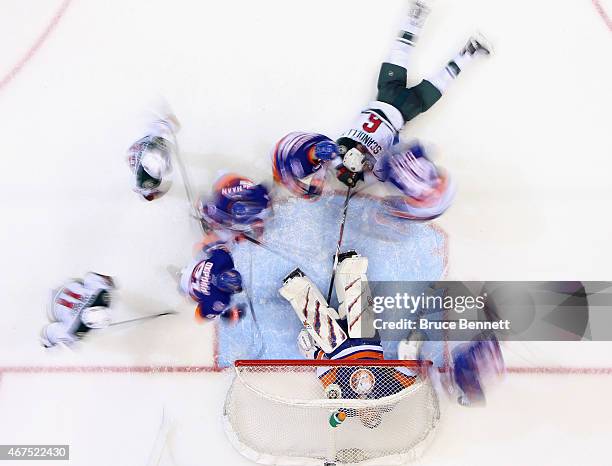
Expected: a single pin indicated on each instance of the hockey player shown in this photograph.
(377, 129)
(211, 281)
(77, 307)
(372, 137)
(425, 191)
(338, 335)
(150, 158)
(472, 365)
(298, 162)
(237, 206)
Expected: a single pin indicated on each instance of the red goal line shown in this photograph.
(169, 369)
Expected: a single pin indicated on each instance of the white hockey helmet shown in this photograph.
(96, 317)
(354, 160)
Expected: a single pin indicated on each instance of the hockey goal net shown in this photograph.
(362, 412)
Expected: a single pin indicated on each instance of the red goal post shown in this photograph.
(338, 412)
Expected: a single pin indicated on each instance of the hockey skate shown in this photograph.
(419, 11)
(477, 45)
(293, 274)
(345, 255)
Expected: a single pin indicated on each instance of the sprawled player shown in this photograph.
(299, 162)
(337, 335)
(150, 158)
(237, 206)
(76, 308)
(372, 138)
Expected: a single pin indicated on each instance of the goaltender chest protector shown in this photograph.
(374, 132)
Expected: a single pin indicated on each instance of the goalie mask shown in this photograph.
(229, 281)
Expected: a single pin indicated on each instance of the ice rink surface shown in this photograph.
(525, 134)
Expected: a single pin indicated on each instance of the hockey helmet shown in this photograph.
(325, 150)
(229, 281)
(96, 317)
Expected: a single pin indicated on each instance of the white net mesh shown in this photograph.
(331, 412)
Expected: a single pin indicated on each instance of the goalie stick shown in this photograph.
(262, 348)
(206, 228)
(344, 212)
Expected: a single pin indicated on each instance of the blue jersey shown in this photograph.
(198, 281)
(293, 162)
(365, 382)
(237, 203)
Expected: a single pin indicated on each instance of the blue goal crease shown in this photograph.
(306, 235)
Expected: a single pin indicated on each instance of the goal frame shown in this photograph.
(272, 366)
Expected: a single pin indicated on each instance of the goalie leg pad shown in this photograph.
(318, 318)
(353, 293)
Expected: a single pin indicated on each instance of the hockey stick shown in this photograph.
(333, 277)
(206, 228)
(262, 349)
(139, 319)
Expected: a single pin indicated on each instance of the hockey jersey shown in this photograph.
(377, 128)
(68, 304)
(197, 281)
(369, 382)
(294, 164)
(150, 161)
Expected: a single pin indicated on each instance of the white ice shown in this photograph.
(526, 134)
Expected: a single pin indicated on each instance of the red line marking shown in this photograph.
(108, 369)
(602, 12)
(36, 45)
(552, 370)
(560, 370)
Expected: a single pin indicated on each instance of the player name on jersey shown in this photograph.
(373, 131)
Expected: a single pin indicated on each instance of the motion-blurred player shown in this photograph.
(211, 280)
(471, 366)
(76, 308)
(299, 161)
(237, 206)
(424, 191)
(150, 158)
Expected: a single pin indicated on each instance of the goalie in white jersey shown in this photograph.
(339, 334)
(77, 307)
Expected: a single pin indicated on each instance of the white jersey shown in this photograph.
(377, 128)
(67, 306)
(152, 154)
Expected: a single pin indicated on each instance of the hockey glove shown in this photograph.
(348, 177)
